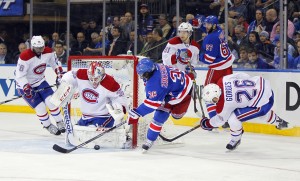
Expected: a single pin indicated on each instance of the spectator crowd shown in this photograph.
(253, 34)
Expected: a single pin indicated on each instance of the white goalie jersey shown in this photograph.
(93, 101)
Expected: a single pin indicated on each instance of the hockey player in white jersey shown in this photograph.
(30, 76)
(94, 88)
(102, 101)
(182, 50)
(239, 98)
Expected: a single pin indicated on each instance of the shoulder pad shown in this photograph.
(110, 83)
(175, 40)
(82, 74)
(27, 55)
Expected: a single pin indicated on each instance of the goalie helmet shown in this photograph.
(37, 44)
(145, 68)
(211, 91)
(95, 73)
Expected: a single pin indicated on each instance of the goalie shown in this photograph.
(102, 103)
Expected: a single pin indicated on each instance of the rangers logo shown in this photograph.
(90, 96)
(40, 68)
(209, 47)
(152, 94)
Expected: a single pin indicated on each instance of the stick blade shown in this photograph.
(60, 149)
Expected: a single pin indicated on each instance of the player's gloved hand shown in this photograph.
(116, 111)
(205, 124)
(59, 72)
(29, 92)
(190, 70)
(133, 116)
(183, 56)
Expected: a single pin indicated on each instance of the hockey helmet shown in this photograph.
(185, 27)
(95, 73)
(211, 19)
(211, 91)
(145, 68)
(37, 42)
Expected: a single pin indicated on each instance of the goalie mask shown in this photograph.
(210, 92)
(95, 74)
(37, 44)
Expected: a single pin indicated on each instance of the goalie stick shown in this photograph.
(39, 90)
(64, 150)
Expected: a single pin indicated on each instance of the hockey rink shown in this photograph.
(26, 154)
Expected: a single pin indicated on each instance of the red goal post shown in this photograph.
(76, 62)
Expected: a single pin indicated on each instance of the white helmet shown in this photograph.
(185, 27)
(37, 42)
(211, 91)
(95, 73)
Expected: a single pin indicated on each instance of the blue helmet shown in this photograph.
(211, 19)
(145, 65)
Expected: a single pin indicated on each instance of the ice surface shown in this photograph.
(26, 154)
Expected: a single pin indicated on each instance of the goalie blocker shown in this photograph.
(95, 88)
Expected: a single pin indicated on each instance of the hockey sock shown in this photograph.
(154, 130)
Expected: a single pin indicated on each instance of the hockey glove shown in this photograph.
(190, 70)
(183, 56)
(59, 72)
(205, 124)
(133, 116)
(28, 91)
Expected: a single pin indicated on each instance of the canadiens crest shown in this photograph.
(40, 68)
(90, 96)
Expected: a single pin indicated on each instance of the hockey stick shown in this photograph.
(192, 129)
(39, 90)
(64, 150)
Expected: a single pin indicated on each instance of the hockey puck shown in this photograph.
(96, 147)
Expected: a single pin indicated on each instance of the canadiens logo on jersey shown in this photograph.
(40, 69)
(90, 95)
(152, 94)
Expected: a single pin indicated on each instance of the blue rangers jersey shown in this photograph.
(215, 50)
(167, 84)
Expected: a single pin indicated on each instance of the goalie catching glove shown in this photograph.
(133, 116)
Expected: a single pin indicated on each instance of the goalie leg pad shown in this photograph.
(115, 139)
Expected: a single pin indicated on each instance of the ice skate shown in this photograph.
(281, 124)
(234, 142)
(53, 129)
(61, 126)
(146, 146)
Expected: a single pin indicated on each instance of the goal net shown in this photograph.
(123, 69)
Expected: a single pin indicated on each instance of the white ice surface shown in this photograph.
(26, 154)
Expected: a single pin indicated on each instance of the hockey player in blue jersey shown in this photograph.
(216, 53)
(168, 91)
(239, 98)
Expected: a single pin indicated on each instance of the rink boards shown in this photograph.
(285, 84)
